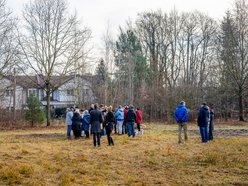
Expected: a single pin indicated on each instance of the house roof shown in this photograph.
(38, 81)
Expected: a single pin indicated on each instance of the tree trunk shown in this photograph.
(241, 113)
(48, 108)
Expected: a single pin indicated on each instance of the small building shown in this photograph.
(67, 90)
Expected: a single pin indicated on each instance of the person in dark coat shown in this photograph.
(95, 121)
(108, 124)
(131, 118)
(203, 121)
(103, 110)
(181, 117)
(90, 109)
(211, 124)
(124, 130)
(86, 123)
(76, 123)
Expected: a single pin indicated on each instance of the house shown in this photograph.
(66, 90)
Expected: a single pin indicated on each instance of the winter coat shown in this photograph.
(68, 118)
(125, 114)
(138, 116)
(109, 121)
(203, 116)
(211, 121)
(96, 120)
(119, 115)
(131, 116)
(86, 121)
(76, 121)
(181, 114)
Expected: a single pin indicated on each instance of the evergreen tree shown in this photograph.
(35, 113)
(101, 82)
(132, 65)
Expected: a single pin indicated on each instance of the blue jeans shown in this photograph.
(130, 129)
(204, 134)
(68, 131)
(96, 135)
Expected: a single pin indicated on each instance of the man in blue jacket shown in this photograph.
(181, 117)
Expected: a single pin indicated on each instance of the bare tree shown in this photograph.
(7, 39)
(235, 51)
(8, 50)
(108, 49)
(52, 41)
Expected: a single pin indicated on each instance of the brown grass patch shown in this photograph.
(46, 157)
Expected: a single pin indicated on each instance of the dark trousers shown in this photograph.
(210, 134)
(115, 127)
(130, 129)
(204, 134)
(138, 126)
(110, 139)
(96, 136)
(76, 133)
(87, 133)
(124, 128)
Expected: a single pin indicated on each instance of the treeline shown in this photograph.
(162, 58)
(156, 61)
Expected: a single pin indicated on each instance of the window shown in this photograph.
(32, 92)
(70, 92)
(9, 92)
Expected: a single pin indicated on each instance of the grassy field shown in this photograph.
(46, 157)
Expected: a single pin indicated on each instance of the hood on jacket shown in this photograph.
(180, 105)
(205, 107)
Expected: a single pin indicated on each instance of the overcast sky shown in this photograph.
(97, 14)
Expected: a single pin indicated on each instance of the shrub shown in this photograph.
(35, 112)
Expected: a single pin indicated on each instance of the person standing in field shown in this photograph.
(211, 124)
(119, 116)
(138, 119)
(108, 124)
(76, 123)
(86, 123)
(131, 118)
(202, 121)
(95, 121)
(124, 130)
(181, 117)
(68, 121)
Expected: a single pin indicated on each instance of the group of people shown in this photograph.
(204, 120)
(103, 120)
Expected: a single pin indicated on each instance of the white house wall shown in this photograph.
(79, 84)
(7, 101)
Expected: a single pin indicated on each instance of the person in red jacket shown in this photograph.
(138, 119)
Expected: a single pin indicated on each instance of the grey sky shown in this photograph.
(97, 14)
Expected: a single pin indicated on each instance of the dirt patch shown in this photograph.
(225, 132)
(43, 135)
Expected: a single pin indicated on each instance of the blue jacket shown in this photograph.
(203, 117)
(68, 118)
(119, 115)
(181, 114)
(86, 121)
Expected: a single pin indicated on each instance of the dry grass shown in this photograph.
(45, 157)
